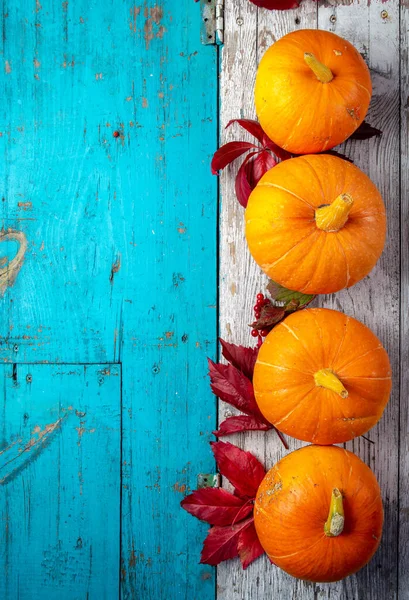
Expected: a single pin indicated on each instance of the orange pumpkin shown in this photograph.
(315, 224)
(318, 513)
(312, 91)
(322, 377)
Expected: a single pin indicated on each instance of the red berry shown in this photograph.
(256, 307)
(260, 297)
(257, 314)
(264, 332)
(254, 332)
(265, 302)
(116, 134)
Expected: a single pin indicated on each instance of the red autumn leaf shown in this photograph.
(228, 153)
(258, 132)
(241, 468)
(244, 184)
(279, 152)
(221, 542)
(240, 357)
(270, 315)
(241, 423)
(251, 126)
(248, 545)
(230, 385)
(277, 4)
(250, 173)
(365, 131)
(216, 506)
(262, 163)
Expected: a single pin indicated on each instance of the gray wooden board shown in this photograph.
(374, 28)
(403, 540)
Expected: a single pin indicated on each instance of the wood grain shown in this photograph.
(403, 539)
(120, 267)
(169, 221)
(375, 301)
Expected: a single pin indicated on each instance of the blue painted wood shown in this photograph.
(60, 482)
(170, 318)
(120, 263)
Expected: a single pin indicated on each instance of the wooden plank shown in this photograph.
(375, 301)
(121, 256)
(66, 87)
(403, 540)
(248, 33)
(60, 481)
(170, 316)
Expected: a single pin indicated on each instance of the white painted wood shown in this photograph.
(375, 301)
(403, 540)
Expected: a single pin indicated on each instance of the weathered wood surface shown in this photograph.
(120, 267)
(60, 444)
(374, 28)
(403, 538)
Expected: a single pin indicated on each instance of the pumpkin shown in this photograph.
(318, 513)
(315, 224)
(312, 91)
(322, 377)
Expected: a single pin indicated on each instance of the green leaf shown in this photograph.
(291, 300)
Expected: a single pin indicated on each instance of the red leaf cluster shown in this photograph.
(271, 313)
(257, 162)
(232, 383)
(267, 154)
(233, 532)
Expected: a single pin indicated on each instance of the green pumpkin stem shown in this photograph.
(334, 525)
(322, 73)
(327, 379)
(333, 217)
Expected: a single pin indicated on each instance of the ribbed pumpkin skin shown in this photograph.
(292, 506)
(299, 112)
(300, 346)
(284, 239)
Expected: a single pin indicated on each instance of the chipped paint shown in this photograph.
(134, 13)
(15, 462)
(177, 487)
(116, 266)
(9, 272)
(7, 67)
(153, 16)
(25, 205)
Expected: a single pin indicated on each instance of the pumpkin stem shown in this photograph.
(333, 217)
(334, 525)
(322, 73)
(327, 379)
